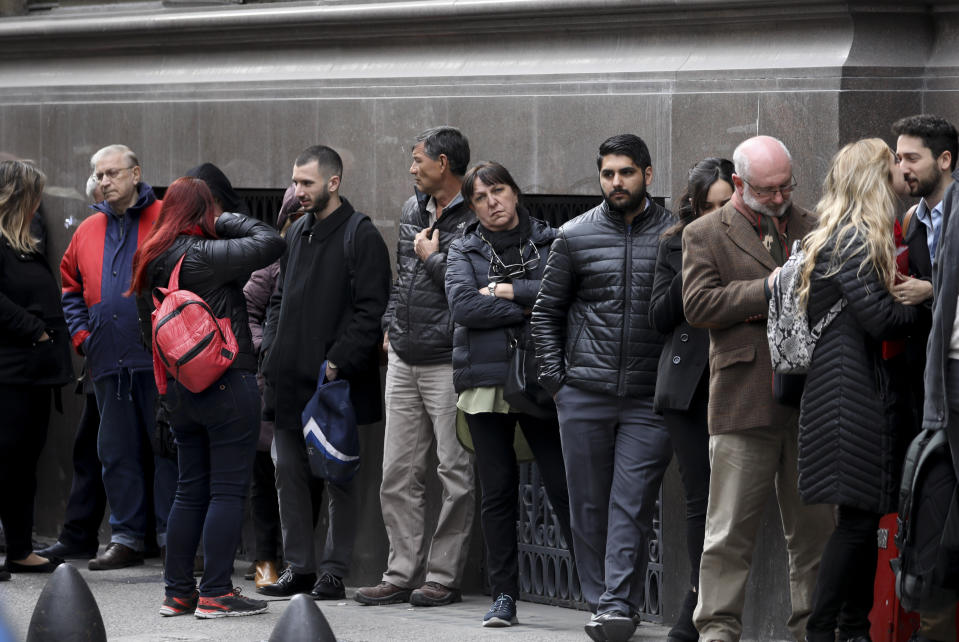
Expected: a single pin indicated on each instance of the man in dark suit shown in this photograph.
(730, 259)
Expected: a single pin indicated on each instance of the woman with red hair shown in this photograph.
(216, 430)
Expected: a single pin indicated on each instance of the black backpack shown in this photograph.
(927, 569)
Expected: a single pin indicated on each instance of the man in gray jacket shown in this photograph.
(420, 399)
(598, 357)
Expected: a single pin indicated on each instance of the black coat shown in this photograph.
(418, 316)
(945, 281)
(485, 325)
(30, 306)
(848, 452)
(684, 360)
(591, 319)
(314, 316)
(215, 270)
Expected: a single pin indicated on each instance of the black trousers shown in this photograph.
(87, 500)
(847, 572)
(23, 432)
(265, 508)
(689, 434)
(499, 478)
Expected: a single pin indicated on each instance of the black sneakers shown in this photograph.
(328, 587)
(289, 584)
(229, 605)
(179, 605)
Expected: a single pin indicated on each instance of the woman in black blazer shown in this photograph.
(682, 381)
(34, 361)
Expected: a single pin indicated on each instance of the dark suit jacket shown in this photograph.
(724, 269)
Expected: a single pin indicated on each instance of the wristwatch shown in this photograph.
(492, 288)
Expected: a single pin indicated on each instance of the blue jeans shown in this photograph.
(127, 420)
(216, 432)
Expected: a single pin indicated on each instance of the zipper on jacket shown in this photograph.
(627, 297)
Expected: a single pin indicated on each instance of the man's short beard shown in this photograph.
(320, 203)
(925, 188)
(756, 206)
(634, 203)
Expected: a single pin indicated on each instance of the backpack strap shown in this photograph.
(924, 444)
(907, 219)
(174, 283)
(349, 247)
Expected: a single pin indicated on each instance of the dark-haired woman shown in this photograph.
(216, 429)
(682, 381)
(34, 360)
(492, 278)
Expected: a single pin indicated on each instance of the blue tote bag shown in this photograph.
(329, 429)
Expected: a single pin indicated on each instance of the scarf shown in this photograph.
(507, 247)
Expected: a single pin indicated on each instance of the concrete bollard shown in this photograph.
(66, 610)
(302, 622)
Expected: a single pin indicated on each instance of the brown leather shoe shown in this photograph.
(434, 594)
(265, 573)
(382, 593)
(116, 556)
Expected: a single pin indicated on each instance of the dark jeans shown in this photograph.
(499, 477)
(617, 450)
(87, 500)
(216, 432)
(26, 412)
(689, 434)
(847, 572)
(266, 508)
(126, 402)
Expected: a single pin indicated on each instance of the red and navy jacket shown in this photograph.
(96, 270)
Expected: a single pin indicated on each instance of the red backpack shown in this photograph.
(189, 341)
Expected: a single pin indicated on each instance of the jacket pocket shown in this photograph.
(726, 358)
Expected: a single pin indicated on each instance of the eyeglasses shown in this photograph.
(499, 271)
(769, 192)
(112, 174)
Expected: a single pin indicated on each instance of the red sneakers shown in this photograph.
(179, 605)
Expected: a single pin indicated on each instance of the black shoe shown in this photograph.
(290, 583)
(67, 552)
(4, 575)
(116, 556)
(328, 587)
(611, 626)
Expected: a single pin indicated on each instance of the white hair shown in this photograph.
(741, 159)
(128, 155)
(92, 183)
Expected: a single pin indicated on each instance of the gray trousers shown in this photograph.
(293, 484)
(616, 452)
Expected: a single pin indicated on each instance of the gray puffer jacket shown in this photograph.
(418, 317)
(591, 318)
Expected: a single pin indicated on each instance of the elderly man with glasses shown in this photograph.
(96, 270)
(730, 259)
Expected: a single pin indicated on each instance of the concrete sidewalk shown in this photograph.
(130, 598)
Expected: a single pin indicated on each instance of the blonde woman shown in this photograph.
(34, 359)
(847, 455)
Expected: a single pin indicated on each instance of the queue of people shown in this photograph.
(647, 338)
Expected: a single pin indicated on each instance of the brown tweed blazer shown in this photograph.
(724, 266)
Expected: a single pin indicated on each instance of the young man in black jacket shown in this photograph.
(598, 357)
(331, 295)
(420, 398)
